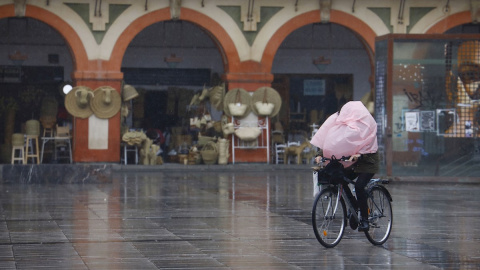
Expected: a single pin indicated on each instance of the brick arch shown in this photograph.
(226, 46)
(361, 29)
(450, 22)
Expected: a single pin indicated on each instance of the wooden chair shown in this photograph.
(279, 153)
(296, 149)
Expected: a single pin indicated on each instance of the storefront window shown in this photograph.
(380, 90)
(435, 96)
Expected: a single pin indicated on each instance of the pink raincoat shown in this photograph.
(353, 131)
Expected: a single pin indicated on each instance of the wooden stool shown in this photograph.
(48, 132)
(129, 148)
(32, 151)
(21, 153)
(18, 141)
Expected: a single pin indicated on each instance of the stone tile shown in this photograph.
(235, 219)
(47, 256)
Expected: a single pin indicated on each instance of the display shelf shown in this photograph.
(262, 141)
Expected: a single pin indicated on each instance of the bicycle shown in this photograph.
(332, 207)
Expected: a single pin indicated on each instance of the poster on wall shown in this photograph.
(446, 121)
(412, 121)
(314, 87)
(427, 120)
(400, 135)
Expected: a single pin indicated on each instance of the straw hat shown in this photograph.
(216, 95)
(106, 102)
(234, 96)
(129, 92)
(77, 101)
(272, 96)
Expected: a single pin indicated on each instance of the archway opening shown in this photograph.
(318, 68)
(38, 63)
(169, 63)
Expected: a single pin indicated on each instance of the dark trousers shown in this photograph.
(361, 201)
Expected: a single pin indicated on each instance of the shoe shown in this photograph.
(363, 226)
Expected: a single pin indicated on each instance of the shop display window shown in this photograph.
(428, 104)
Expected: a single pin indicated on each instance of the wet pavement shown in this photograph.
(225, 219)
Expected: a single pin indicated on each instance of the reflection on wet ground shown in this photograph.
(225, 220)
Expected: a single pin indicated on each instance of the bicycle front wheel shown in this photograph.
(380, 216)
(328, 217)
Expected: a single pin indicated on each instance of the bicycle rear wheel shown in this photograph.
(328, 217)
(380, 216)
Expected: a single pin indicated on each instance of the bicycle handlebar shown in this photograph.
(343, 158)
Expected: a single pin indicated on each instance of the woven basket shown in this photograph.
(209, 153)
(48, 121)
(228, 129)
(203, 140)
(32, 127)
(266, 101)
(264, 108)
(237, 109)
(248, 133)
(18, 139)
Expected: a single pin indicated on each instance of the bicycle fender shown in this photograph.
(384, 189)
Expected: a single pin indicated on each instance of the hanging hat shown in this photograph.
(77, 101)
(204, 94)
(269, 95)
(106, 103)
(237, 96)
(216, 95)
(129, 92)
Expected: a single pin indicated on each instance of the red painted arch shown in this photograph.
(7, 11)
(339, 17)
(450, 22)
(79, 55)
(225, 43)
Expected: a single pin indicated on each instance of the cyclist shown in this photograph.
(352, 132)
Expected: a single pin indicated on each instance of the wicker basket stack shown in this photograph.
(209, 153)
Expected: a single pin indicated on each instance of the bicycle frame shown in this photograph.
(341, 193)
(331, 215)
(347, 201)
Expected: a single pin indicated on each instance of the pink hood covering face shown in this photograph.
(353, 131)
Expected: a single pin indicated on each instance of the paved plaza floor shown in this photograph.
(236, 219)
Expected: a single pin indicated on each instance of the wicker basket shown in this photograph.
(248, 134)
(48, 121)
(237, 109)
(209, 153)
(192, 157)
(32, 127)
(18, 139)
(228, 129)
(264, 108)
(203, 140)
